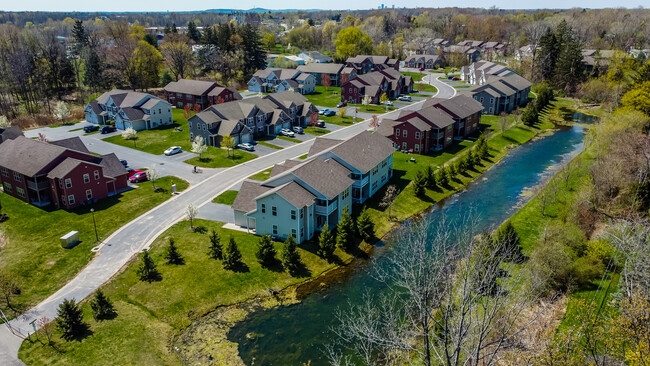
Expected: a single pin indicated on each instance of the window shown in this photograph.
(384, 163)
(404, 134)
(293, 232)
(383, 178)
(63, 199)
(263, 208)
(417, 147)
(374, 170)
(481, 99)
(191, 136)
(491, 100)
(293, 214)
(302, 213)
(71, 199)
(189, 96)
(89, 194)
(86, 178)
(5, 172)
(180, 95)
(18, 177)
(345, 193)
(7, 187)
(159, 111)
(60, 183)
(274, 211)
(68, 183)
(374, 185)
(96, 174)
(302, 232)
(417, 135)
(404, 146)
(21, 192)
(275, 229)
(189, 124)
(397, 132)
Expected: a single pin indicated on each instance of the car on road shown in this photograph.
(455, 78)
(138, 177)
(320, 123)
(173, 150)
(322, 111)
(342, 104)
(124, 162)
(91, 128)
(246, 146)
(388, 103)
(329, 113)
(287, 132)
(298, 129)
(108, 129)
(131, 172)
(421, 68)
(405, 98)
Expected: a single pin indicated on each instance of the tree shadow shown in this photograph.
(300, 271)
(200, 229)
(274, 266)
(240, 267)
(153, 277)
(85, 333)
(110, 316)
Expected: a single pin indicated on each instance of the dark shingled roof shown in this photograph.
(364, 151)
(112, 166)
(326, 176)
(321, 68)
(461, 106)
(322, 144)
(27, 156)
(193, 87)
(283, 167)
(66, 166)
(10, 133)
(294, 193)
(73, 143)
(245, 200)
(386, 127)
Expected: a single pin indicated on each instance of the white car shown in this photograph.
(173, 150)
(406, 98)
(388, 103)
(246, 146)
(287, 132)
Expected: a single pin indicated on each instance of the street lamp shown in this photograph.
(92, 211)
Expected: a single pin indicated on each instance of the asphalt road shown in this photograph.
(138, 234)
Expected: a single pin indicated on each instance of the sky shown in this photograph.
(175, 5)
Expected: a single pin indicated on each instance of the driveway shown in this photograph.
(138, 234)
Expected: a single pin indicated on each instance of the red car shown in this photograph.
(130, 172)
(138, 177)
(455, 78)
(421, 68)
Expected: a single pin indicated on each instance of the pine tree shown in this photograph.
(530, 115)
(147, 269)
(102, 307)
(463, 165)
(365, 226)
(290, 255)
(549, 51)
(79, 35)
(476, 158)
(216, 249)
(265, 251)
(443, 177)
(482, 148)
(94, 68)
(326, 243)
(570, 67)
(69, 320)
(231, 255)
(345, 231)
(430, 177)
(173, 256)
(174, 29)
(419, 183)
(509, 240)
(193, 32)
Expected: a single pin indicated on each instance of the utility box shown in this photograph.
(70, 239)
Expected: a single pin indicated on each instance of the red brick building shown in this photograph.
(367, 63)
(465, 111)
(374, 84)
(62, 173)
(204, 93)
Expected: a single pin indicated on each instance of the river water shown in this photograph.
(295, 334)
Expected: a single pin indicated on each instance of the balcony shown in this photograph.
(38, 186)
(437, 136)
(326, 210)
(358, 183)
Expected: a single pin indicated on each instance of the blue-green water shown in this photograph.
(293, 335)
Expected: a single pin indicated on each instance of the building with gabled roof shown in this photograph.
(314, 57)
(336, 72)
(10, 133)
(62, 173)
(279, 80)
(423, 61)
(376, 83)
(127, 108)
(301, 196)
(191, 93)
(363, 64)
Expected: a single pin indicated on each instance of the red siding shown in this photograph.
(98, 186)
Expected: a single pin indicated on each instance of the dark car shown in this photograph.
(107, 129)
(421, 68)
(91, 128)
(124, 162)
(329, 113)
(342, 104)
(320, 123)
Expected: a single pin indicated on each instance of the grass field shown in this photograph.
(291, 139)
(226, 198)
(425, 88)
(33, 251)
(316, 131)
(340, 121)
(416, 76)
(325, 98)
(261, 176)
(219, 158)
(264, 143)
(149, 315)
(372, 108)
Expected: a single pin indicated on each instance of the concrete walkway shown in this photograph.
(138, 234)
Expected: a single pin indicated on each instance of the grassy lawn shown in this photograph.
(303, 157)
(76, 129)
(261, 176)
(226, 198)
(316, 131)
(341, 121)
(54, 125)
(33, 252)
(462, 86)
(416, 76)
(289, 139)
(425, 88)
(149, 315)
(219, 158)
(325, 98)
(264, 143)
(372, 108)
(89, 133)
(157, 140)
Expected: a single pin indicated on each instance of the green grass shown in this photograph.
(462, 86)
(149, 315)
(316, 131)
(289, 139)
(340, 121)
(261, 176)
(264, 143)
(64, 124)
(325, 98)
(34, 254)
(416, 76)
(76, 129)
(89, 133)
(226, 198)
(425, 88)
(372, 108)
(303, 157)
(218, 158)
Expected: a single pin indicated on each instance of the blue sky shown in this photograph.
(169, 5)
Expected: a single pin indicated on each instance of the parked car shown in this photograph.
(124, 162)
(108, 129)
(91, 128)
(421, 68)
(388, 103)
(455, 78)
(138, 177)
(450, 77)
(406, 98)
(320, 123)
(246, 146)
(173, 150)
(287, 132)
(131, 172)
(298, 129)
(329, 113)
(342, 104)
(323, 111)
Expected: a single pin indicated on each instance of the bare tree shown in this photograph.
(178, 55)
(152, 175)
(632, 239)
(42, 138)
(534, 32)
(45, 327)
(9, 288)
(191, 211)
(374, 122)
(389, 197)
(503, 121)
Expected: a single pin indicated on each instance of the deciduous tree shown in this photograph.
(198, 146)
(389, 196)
(351, 42)
(178, 55)
(191, 211)
(130, 134)
(152, 175)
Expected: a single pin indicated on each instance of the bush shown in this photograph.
(551, 267)
(587, 269)
(600, 249)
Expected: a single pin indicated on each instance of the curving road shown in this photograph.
(121, 246)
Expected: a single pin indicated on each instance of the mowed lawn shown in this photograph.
(371, 108)
(33, 252)
(149, 315)
(157, 140)
(323, 97)
(416, 76)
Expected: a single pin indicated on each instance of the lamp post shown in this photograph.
(92, 211)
